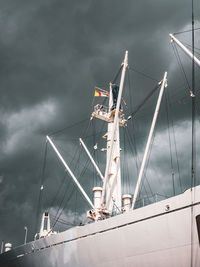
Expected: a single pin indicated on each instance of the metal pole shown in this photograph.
(91, 158)
(70, 172)
(116, 118)
(143, 201)
(149, 140)
(187, 51)
(2, 246)
(25, 238)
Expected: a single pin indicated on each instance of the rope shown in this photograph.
(57, 193)
(145, 100)
(170, 145)
(117, 75)
(176, 33)
(193, 135)
(61, 211)
(143, 74)
(67, 127)
(41, 184)
(175, 146)
(180, 64)
(137, 109)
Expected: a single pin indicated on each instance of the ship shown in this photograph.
(165, 233)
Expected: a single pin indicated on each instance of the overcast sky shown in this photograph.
(52, 55)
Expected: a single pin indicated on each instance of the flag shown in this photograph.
(98, 93)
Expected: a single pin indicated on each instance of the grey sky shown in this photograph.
(52, 54)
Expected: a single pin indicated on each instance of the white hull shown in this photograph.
(146, 237)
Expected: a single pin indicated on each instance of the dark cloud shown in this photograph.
(52, 54)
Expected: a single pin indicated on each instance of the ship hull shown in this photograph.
(161, 234)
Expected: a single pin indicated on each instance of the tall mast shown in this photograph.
(164, 84)
(187, 51)
(113, 115)
(112, 182)
(69, 171)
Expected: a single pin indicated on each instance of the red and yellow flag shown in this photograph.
(98, 93)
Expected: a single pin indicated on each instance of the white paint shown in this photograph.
(112, 172)
(70, 172)
(164, 84)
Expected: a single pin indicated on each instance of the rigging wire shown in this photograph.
(146, 168)
(126, 178)
(86, 129)
(84, 133)
(62, 201)
(142, 73)
(66, 174)
(135, 148)
(176, 33)
(190, 46)
(175, 146)
(117, 75)
(58, 192)
(67, 127)
(63, 222)
(170, 145)
(193, 136)
(69, 197)
(41, 186)
(145, 100)
(68, 183)
(135, 156)
(61, 211)
(193, 105)
(180, 64)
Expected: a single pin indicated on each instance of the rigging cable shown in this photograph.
(175, 146)
(193, 105)
(190, 46)
(117, 75)
(135, 148)
(67, 127)
(143, 74)
(193, 136)
(72, 191)
(170, 145)
(146, 167)
(79, 154)
(57, 193)
(41, 186)
(176, 33)
(145, 100)
(66, 184)
(180, 64)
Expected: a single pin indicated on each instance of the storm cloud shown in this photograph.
(52, 55)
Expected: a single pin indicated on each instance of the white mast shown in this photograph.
(91, 158)
(112, 173)
(187, 51)
(70, 172)
(164, 84)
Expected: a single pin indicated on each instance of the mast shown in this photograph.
(113, 115)
(164, 84)
(91, 158)
(112, 182)
(187, 51)
(69, 171)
